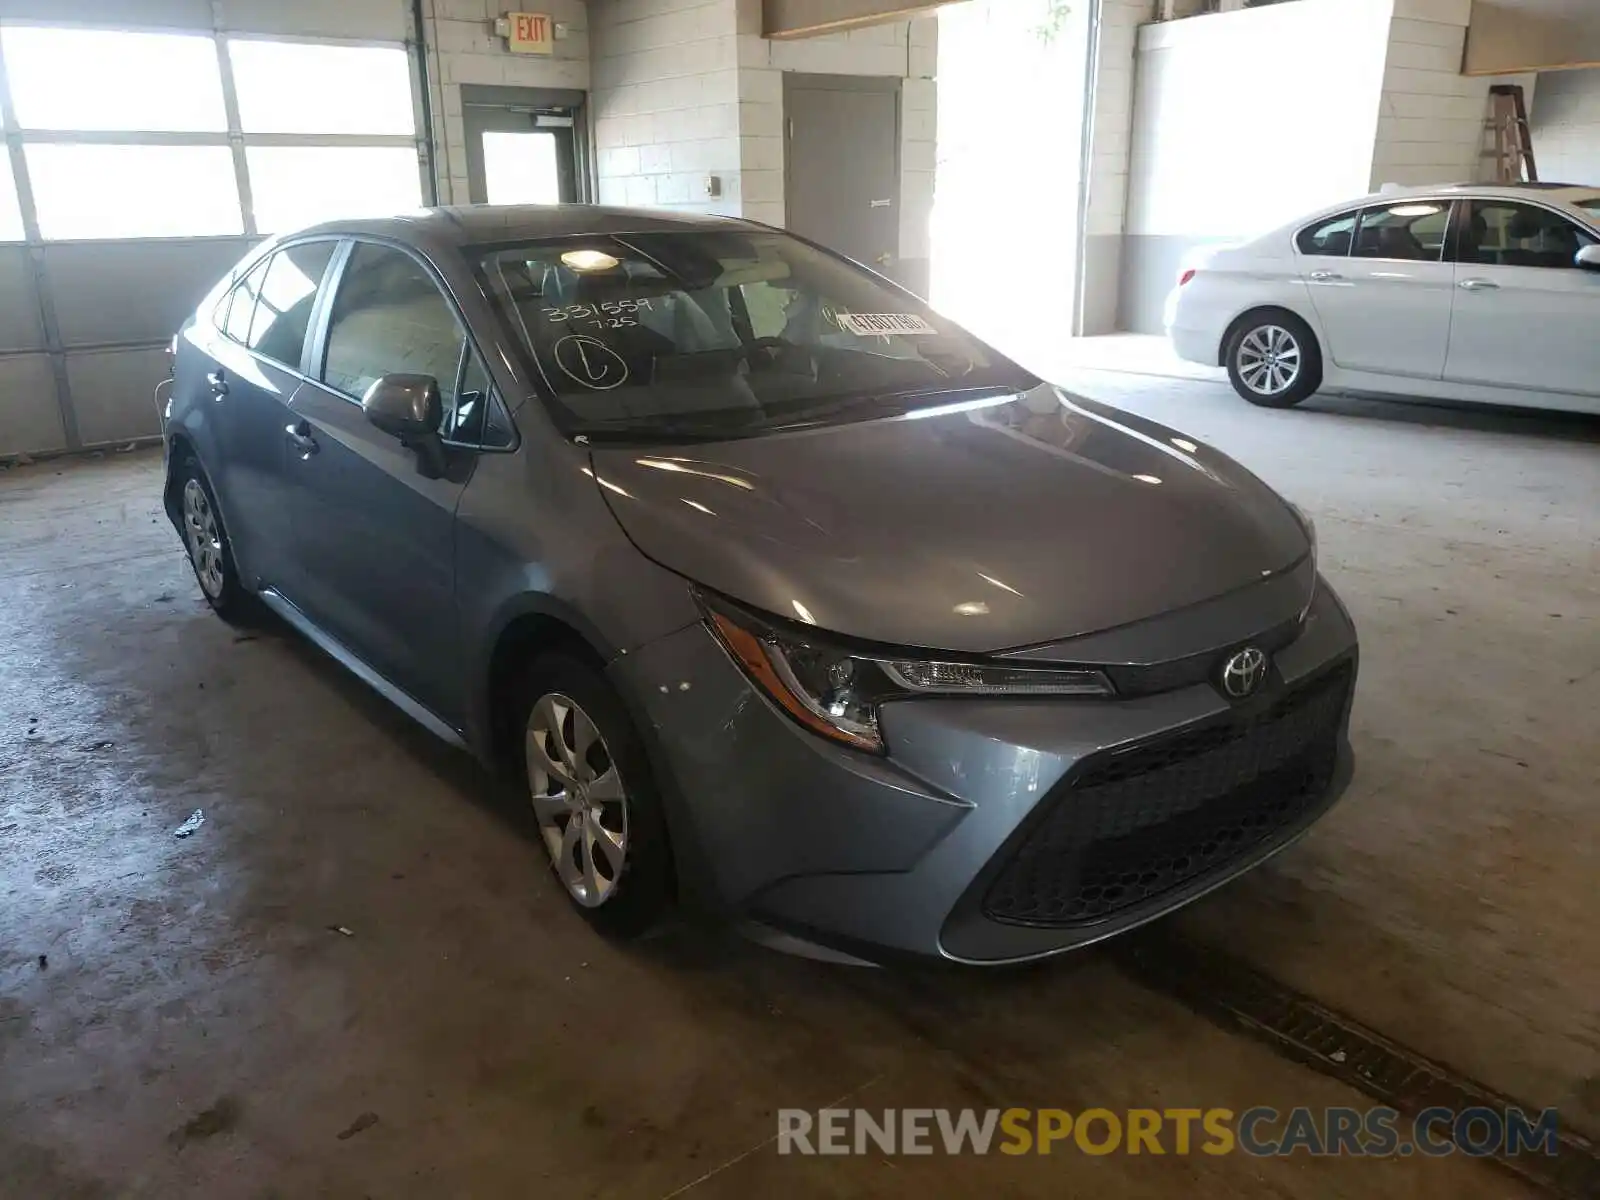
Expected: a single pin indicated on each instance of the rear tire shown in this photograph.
(588, 778)
(1273, 359)
(206, 539)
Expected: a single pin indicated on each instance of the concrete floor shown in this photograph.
(198, 1029)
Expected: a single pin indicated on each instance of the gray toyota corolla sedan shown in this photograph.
(776, 591)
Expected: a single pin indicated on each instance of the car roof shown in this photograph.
(1563, 193)
(477, 224)
(1567, 194)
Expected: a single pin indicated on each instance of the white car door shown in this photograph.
(1384, 306)
(1526, 316)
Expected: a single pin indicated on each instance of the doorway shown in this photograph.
(1010, 191)
(842, 166)
(524, 145)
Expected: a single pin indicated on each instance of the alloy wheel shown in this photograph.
(204, 537)
(578, 798)
(1269, 360)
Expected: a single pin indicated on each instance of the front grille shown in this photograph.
(1169, 676)
(1137, 823)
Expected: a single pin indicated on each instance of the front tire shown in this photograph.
(588, 779)
(1273, 359)
(206, 539)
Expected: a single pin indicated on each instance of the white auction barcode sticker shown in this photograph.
(879, 324)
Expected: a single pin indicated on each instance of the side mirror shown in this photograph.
(1589, 257)
(408, 407)
(405, 406)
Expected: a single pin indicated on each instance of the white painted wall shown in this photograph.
(1244, 119)
(1566, 126)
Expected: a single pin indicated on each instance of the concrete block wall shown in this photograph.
(665, 103)
(1566, 126)
(1216, 93)
(1433, 120)
(687, 91)
(462, 49)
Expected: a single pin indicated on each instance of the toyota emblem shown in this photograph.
(1244, 672)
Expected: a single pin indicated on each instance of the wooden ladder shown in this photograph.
(1513, 139)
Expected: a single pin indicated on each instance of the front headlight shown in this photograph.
(837, 692)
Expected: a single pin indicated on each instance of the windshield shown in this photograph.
(723, 333)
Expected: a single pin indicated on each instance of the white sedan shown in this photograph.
(1479, 293)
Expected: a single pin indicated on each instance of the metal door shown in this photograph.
(843, 165)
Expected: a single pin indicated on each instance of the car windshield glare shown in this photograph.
(723, 332)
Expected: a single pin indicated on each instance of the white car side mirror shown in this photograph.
(1589, 257)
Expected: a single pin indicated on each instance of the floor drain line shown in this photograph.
(1236, 997)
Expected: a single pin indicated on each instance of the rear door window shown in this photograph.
(287, 296)
(1412, 231)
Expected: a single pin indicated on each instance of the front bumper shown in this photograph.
(900, 855)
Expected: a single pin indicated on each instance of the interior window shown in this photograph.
(242, 303)
(113, 80)
(1332, 237)
(1505, 233)
(1413, 231)
(390, 317)
(135, 190)
(288, 293)
(336, 89)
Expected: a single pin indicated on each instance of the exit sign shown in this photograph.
(530, 33)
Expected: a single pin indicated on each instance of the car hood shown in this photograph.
(975, 527)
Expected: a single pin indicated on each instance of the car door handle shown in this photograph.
(1325, 276)
(300, 436)
(1479, 285)
(218, 380)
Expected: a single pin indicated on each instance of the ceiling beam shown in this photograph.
(1508, 38)
(808, 18)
